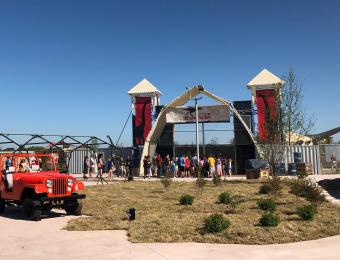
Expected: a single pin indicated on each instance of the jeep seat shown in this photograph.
(34, 168)
(9, 178)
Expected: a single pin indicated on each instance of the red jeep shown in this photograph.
(32, 181)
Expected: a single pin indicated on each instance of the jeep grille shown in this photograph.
(59, 186)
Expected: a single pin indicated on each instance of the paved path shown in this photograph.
(24, 240)
(331, 195)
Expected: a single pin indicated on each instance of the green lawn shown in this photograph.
(160, 218)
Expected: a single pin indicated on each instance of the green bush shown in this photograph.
(265, 189)
(224, 198)
(216, 223)
(309, 190)
(314, 194)
(269, 220)
(306, 212)
(302, 175)
(186, 199)
(267, 204)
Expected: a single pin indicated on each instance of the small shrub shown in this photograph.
(314, 194)
(186, 199)
(200, 181)
(302, 175)
(297, 187)
(235, 201)
(309, 190)
(267, 205)
(224, 198)
(275, 185)
(265, 189)
(217, 179)
(269, 220)
(306, 212)
(216, 223)
(166, 180)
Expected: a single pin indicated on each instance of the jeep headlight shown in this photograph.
(70, 182)
(49, 183)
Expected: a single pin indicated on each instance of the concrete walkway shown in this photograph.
(22, 239)
(329, 197)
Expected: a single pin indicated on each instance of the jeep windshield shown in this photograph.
(26, 163)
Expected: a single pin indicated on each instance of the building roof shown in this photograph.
(297, 138)
(265, 78)
(144, 87)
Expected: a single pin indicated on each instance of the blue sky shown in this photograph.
(66, 66)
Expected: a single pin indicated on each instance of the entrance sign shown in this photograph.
(182, 115)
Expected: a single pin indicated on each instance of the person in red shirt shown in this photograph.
(159, 162)
(187, 166)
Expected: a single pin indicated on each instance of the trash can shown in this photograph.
(292, 169)
(281, 168)
(297, 157)
(131, 213)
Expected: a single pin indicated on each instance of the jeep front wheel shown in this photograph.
(74, 208)
(32, 209)
(2, 205)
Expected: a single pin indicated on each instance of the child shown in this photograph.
(173, 168)
(219, 166)
(229, 166)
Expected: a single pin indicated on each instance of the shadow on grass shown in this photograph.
(295, 219)
(289, 212)
(204, 232)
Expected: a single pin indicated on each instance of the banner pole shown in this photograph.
(197, 140)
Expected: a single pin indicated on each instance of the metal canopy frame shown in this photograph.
(74, 142)
(41, 139)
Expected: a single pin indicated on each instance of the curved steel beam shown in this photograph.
(331, 132)
(157, 129)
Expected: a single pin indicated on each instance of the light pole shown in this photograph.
(197, 137)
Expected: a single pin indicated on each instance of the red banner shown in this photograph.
(265, 101)
(142, 120)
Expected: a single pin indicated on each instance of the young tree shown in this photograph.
(294, 118)
(287, 116)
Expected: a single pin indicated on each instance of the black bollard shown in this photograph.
(131, 214)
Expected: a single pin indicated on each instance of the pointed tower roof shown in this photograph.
(144, 87)
(265, 78)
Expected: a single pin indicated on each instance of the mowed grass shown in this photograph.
(160, 218)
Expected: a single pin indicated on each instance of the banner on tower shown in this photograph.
(265, 101)
(210, 114)
(142, 121)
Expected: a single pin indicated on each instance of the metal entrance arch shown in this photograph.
(157, 129)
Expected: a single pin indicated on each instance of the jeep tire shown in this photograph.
(32, 209)
(74, 208)
(2, 206)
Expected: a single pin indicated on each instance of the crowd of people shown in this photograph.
(186, 166)
(96, 166)
(157, 166)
